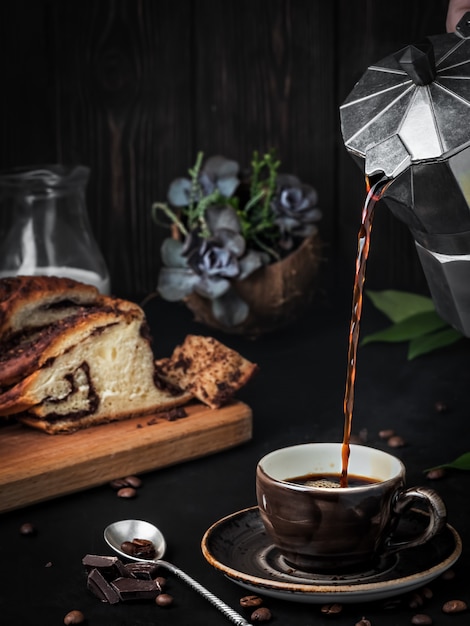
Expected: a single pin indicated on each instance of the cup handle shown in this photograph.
(437, 516)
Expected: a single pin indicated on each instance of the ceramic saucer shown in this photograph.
(238, 546)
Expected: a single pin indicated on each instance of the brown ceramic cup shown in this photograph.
(321, 528)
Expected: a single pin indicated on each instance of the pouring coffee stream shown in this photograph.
(374, 193)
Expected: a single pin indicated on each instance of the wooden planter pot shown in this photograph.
(276, 294)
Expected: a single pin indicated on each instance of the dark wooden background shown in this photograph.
(134, 88)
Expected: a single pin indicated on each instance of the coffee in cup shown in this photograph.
(319, 526)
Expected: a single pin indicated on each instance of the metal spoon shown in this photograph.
(126, 530)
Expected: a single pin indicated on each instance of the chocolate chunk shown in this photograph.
(91, 561)
(100, 587)
(144, 571)
(135, 589)
(109, 566)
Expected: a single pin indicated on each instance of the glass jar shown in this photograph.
(44, 225)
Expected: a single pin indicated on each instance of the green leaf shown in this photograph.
(461, 463)
(410, 328)
(399, 305)
(428, 343)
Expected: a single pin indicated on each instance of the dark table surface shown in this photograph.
(296, 397)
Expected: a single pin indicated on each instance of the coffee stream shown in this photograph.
(374, 193)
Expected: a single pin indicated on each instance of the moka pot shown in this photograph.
(408, 120)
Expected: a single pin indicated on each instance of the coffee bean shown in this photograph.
(421, 619)
(396, 441)
(440, 407)
(161, 581)
(448, 575)
(117, 483)
(416, 600)
(355, 439)
(331, 609)
(122, 483)
(261, 614)
(427, 593)
(144, 548)
(129, 548)
(27, 529)
(74, 617)
(454, 606)
(164, 599)
(386, 434)
(133, 481)
(127, 492)
(251, 601)
(363, 622)
(436, 474)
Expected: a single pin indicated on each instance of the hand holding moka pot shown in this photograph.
(408, 120)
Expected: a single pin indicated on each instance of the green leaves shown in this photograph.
(400, 305)
(460, 463)
(414, 319)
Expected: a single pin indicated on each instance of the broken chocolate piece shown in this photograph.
(109, 566)
(145, 571)
(135, 589)
(100, 587)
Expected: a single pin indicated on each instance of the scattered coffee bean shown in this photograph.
(27, 529)
(440, 407)
(251, 601)
(133, 481)
(48, 564)
(448, 575)
(261, 614)
(117, 483)
(74, 617)
(161, 581)
(331, 609)
(396, 442)
(129, 481)
(127, 492)
(421, 619)
(386, 434)
(355, 439)
(427, 593)
(436, 474)
(164, 599)
(363, 622)
(416, 600)
(454, 606)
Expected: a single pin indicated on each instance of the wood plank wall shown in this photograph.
(134, 88)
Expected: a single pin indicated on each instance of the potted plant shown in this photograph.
(244, 251)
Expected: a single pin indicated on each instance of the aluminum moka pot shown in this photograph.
(408, 120)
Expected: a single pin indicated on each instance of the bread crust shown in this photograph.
(21, 297)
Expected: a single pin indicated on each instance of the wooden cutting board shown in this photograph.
(35, 466)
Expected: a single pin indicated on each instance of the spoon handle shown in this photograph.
(232, 615)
